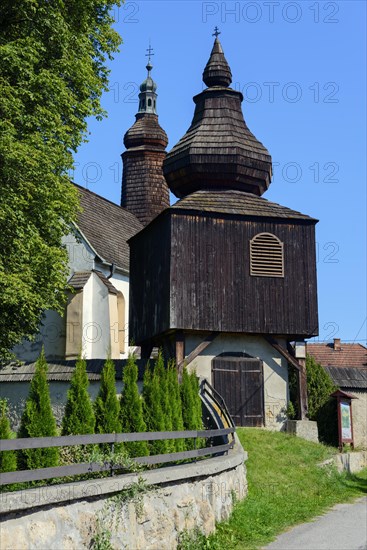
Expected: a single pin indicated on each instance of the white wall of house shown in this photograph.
(121, 282)
(81, 256)
(276, 396)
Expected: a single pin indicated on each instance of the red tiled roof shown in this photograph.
(349, 356)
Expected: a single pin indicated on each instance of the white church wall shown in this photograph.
(81, 256)
(96, 319)
(276, 396)
(121, 282)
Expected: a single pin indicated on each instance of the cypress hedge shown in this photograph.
(8, 459)
(131, 409)
(176, 405)
(79, 415)
(38, 421)
(106, 406)
(152, 408)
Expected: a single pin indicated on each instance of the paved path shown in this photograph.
(343, 528)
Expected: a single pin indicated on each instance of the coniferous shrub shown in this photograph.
(106, 406)
(176, 405)
(38, 421)
(153, 414)
(189, 409)
(131, 409)
(319, 387)
(197, 401)
(162, 374)
(8, 459)
(79, 415)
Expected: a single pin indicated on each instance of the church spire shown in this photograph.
(144, 190)
(217, 71)
(148, 96)
(218, 151)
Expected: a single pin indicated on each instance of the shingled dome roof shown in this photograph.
(218, 151)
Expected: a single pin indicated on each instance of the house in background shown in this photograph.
(347, 366)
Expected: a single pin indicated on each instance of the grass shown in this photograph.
(286, 487)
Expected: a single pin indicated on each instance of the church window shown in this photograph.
(266, 256)
(149, 102)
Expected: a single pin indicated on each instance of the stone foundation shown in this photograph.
(172, 500)
(307, 429)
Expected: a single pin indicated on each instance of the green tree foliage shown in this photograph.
(319, 387)
(106, 406)
(8, 459)
(166, 399)
(38, 421)
(197, 401)
(176, 405)
(152, 408)
(131, 409)
(191, 404)
(53, 72)
(79, 415)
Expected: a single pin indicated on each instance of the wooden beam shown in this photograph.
(179, 352)
(283, 351)
(199, 348)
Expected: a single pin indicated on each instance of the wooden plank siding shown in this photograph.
(191, 271)
(150, 282)
(211, 285)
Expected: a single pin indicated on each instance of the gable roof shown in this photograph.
(349, 356)
(80, 278)
(107, 227)
(237, 203)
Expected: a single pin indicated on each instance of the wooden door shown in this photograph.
(239, 380)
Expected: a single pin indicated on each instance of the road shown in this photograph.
(343, 528)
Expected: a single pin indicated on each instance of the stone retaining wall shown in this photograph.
(156, 511)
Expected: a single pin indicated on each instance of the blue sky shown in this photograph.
(301, 67)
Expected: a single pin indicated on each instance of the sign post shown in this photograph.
(345, 420)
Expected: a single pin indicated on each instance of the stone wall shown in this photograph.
(359, 413)
(173, 500)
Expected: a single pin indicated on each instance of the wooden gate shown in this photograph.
(239, 380)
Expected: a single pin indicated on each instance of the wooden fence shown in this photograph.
(93, 439)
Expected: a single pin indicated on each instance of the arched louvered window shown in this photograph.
(266, 256)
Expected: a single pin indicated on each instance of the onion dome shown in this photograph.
(146, 131)
(217, 71)
(218, 151)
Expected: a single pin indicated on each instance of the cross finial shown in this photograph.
(150, 52)
(216, 32)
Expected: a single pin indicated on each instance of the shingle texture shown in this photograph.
(107, 227)
(218, 150)
(80, 278)
(236, 203)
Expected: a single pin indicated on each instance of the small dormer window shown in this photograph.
(266, 256)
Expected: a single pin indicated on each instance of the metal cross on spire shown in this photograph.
(216, 32)
(150, 52)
